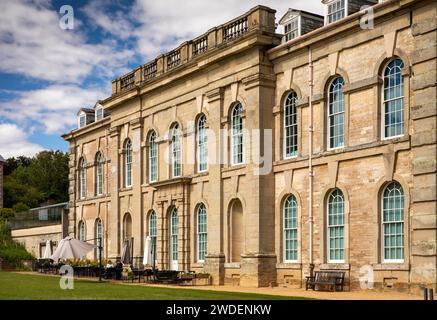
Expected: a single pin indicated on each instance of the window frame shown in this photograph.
(329, 115)
(295, 229)
(328, 15)
(296, 18)
(284, 127)
(384, 101)
(382, 224)
(128, 153)
(152, 157)
(82, 116)
(99, 174)
(82, 179)
(202, 235)
(239, 135)
(82, 230)
(98, 117)
(176, 151)
(328, 226)
(174, 234)
(202, 144)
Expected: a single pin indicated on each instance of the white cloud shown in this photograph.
(54, 107)
(14, 142)
(166, 24)
(35, 46)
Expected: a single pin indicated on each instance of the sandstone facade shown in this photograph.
(245, 205)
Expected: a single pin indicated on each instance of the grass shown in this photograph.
(16, 286)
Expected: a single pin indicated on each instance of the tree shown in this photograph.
(36, 181)
(6, 213)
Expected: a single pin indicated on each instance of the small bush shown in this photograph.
(14, 254)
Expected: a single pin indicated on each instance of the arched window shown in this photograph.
(99, 174)
(153, 158)
(393, 223)
(336, 114)
(202, 144)
(82, 232)
(174, 238)
(393, 100)
(82, 179)
(202, 240)
(237, 134)
(128, 164)
(290, 126)
(176, 151)
(127, 227)
(98, 236)
(153, 229)
(290, 229)
(336, 227)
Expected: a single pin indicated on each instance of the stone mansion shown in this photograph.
(265, 149)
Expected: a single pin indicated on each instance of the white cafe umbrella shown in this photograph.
(70, 248)
(47, 250)
(148, 252)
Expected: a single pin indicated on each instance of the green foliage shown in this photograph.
(11, 252)
(6, 213)
(42, 179)
(20, 207)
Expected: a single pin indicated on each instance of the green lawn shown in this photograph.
(36, 287)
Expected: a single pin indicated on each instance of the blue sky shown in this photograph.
(47, 73)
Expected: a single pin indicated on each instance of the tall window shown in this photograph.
(237, 134)
(153, 230)
(153, 158)
(290, 229)
(291, 29)
(393, 223)
(336, 227)
(290, 126)
(99, 113)
(128, 164)
(99, 235)
(99, 174)
(336, 114)
(176, 151)
(202, 144)
(82, 234)
(174, 234)
(201, 233)
(336, 11)
(393, 116)
(82, 179)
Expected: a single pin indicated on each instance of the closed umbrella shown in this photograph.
(125, 253)
(70, 248)
(48, 250)
(148, 252)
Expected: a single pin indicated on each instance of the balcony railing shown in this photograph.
(259, 18)
(127, 82)
(150, 70)
(173, 59)
(200, 46)
(235, 29)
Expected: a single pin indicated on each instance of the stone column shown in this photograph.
(137, 199)
(423, 143)
(215, 258)
(114, 220)
(258, 262)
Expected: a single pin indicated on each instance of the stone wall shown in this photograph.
(256, 72)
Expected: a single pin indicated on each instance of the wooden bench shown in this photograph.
(332, 279)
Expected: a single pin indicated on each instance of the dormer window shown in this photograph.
(291, 29)
(99, 113)
(82, 120)
(336, 10)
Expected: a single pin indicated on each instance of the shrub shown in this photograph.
(14, 254)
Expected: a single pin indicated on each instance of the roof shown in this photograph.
(86, 110)
(299, 12)
(2, 159)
